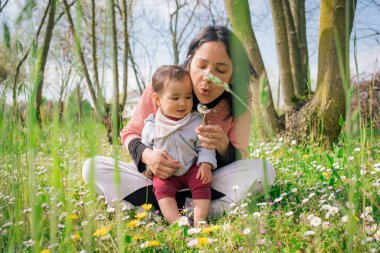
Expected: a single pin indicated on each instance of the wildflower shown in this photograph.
(202, 241)
(75, 237)
(256, 214)
(326, 225)
(183, 221)
(72, 217)
(315, 221)
(146, 207)
(377, 235)
(8, 224)
(344, 218)
(133, 223)
(290, 213)
(304, 201)
(193, 231)
(27, 210)
(63, 215)
(162, 228)
(277, 199)
(210, 229)
(84, 223)
(309, 233)
(110, 210)
(246, 231)
(137, 238)
(102, 231)
(149, 244)
(100, 217)
(61, 226)
(141, 215)
(261, 204)
(278, 244)
(45, 251)
(28, 243)
(294, 190)
(235, 187)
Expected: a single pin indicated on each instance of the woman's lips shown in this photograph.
(205, 92)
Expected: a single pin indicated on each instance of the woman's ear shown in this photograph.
(156, 99)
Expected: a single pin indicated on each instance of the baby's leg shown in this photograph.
(201, 207)
(169, 209)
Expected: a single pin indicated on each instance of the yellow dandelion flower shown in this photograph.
(133, 223)
(153, 243)
(210, 229)
(146, 207)
(305, 156)
(45, 251)
(72, 217)
(202, 241)
(102, 231)
(325, 174)
(137, 238)
(356, 218)
(141, 215)
(75, 237)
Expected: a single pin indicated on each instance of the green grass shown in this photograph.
(313, 186)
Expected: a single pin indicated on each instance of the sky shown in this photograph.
(368, 50)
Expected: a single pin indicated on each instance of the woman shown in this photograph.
(215, 50)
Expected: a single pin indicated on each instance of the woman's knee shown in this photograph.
(88, 168)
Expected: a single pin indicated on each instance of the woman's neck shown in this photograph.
(216, 101)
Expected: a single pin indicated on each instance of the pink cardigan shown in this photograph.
(237, 130)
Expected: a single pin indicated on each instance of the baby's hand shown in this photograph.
(204, 173)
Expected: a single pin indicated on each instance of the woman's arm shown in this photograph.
(160, 163)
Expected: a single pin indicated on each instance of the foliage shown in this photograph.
(310, 206)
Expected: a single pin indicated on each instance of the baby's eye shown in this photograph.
(174, 98)
(189, 97)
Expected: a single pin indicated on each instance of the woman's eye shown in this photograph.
(174, 98)
(221, 71)
(189, 97)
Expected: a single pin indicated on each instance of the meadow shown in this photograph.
(323, 200)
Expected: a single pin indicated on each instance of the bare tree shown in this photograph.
(239, 16)
(323, 110)
(41, 60)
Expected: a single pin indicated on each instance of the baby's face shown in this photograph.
(176, 98)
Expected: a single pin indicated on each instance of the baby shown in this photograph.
(172, 129)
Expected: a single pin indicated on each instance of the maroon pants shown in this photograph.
(164, 188)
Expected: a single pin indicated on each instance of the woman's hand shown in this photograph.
(160, 163)
(213, 137)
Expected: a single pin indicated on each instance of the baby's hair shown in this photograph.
(166, 73)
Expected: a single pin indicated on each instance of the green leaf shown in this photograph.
(128, 239)
(341, 120)
(7, 36)
(185, 231)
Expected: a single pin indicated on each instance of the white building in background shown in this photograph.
(133, 98)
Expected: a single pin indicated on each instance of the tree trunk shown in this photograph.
(298, 11)
(125, 52)
(115, 105)
(41, 61)
(94, 52)
(299, 80)
(239, 16)
(319, 119)
(98, 105)
(283, 53)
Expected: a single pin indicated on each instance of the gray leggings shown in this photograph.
(235, 180)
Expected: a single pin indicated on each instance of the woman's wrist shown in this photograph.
(222, 149)
(145, 156)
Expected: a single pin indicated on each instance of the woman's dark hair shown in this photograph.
(243, 70)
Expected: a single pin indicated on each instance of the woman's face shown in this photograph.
(211, 57)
